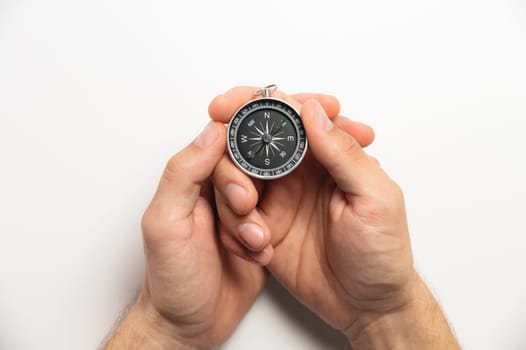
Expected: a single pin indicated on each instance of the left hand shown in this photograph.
(194, 292)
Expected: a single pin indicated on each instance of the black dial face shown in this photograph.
(266, 138)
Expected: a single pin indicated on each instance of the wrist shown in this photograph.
(144, 328)
(418, 324)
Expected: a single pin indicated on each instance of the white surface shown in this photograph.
(96, 95)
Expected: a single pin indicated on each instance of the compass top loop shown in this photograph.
(266, 91)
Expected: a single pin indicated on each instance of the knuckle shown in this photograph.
(158, 226)
(350, 149)
(375, 161)
(349, 146)
(149, 228)
(386, 201)
(397, 191)
(147, 221)
(151, 223)
(392, 199)
(173, 168)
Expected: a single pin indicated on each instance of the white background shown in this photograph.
(96, 95)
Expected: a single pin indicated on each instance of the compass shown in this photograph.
(266, 138)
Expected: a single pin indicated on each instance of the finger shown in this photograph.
(250, 230)
(185, 173)
(339, 152)
(235, 186)
(330, 104)
(262, 258)
(363, 133)
(224, 106)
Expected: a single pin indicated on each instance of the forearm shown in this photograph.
(142, 329)
(420, 325)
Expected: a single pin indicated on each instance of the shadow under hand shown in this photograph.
(321, 334)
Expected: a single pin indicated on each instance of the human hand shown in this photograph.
(310, 255)
(334, 230)
(194, 292)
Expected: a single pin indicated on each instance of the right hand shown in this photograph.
(336, 225)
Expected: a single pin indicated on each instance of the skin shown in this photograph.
(333, 232)
(195, 292)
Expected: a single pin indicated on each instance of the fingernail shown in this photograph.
(251, 234)
(322, 121)
(236, 195)
(207, 136)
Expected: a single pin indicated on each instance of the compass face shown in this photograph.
(266, 138)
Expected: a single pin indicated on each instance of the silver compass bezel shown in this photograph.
(296, 151)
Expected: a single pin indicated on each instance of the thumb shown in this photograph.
(342, 156)
(186, 172)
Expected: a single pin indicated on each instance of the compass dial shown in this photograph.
(266, 138)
